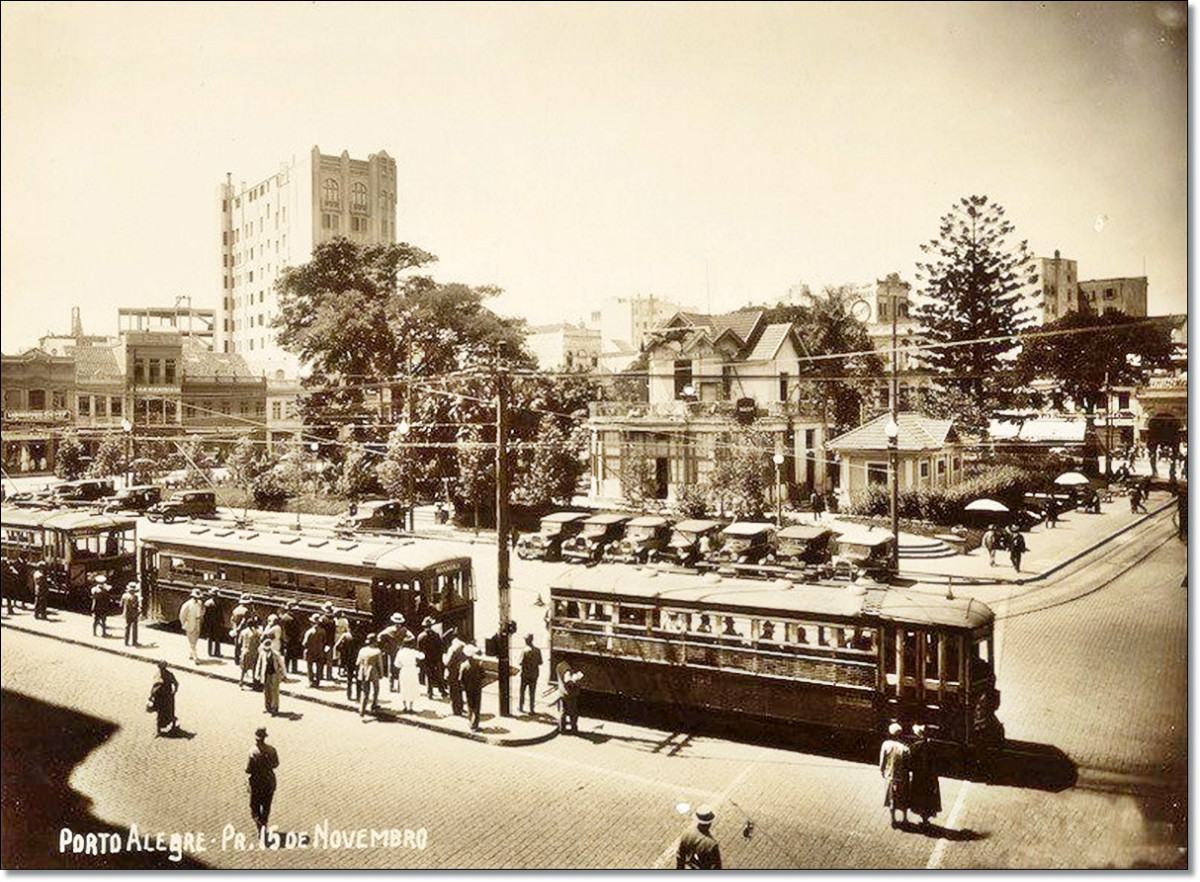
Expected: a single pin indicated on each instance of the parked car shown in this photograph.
(690, 540)
(744, 542)
(377, 514)
(599, 531)
(547, 543)
(80, 492)
(139, 497)
(869, 553)
(643, 537)
(803, 544)
(186, 504)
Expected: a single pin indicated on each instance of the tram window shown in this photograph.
(766, 631)
(677, 622)
(796, 634)
(862, 639)
(824, 635)
(339, 587)
(253, 576)
(311, 584)
(910, 653)
(735, 627)
(600, 612)
(981, 663)
(631, 616)
(931, 656)
(280, 579)
(953, 654)
(566, 609)
(704, 624)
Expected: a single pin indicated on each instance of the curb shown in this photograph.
(388, 716)
(980, 580)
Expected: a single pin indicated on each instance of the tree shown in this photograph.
(742, 467)
(638, 480)
(68, 461)
(245, 463)
(109, 458)
(555, 469)
(1084, 352)
(972, 287)
(357, 477)
(839, 367)
(476, 487)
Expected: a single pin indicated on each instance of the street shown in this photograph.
(1092, 663)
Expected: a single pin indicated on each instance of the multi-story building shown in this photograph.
(276, 221)
(707, 374)
(1059, 291)
(1127, 295)
(37, 388)
(564, 347)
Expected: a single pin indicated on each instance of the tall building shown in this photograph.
(1062, 291)
(276, 221)
(1057, 287)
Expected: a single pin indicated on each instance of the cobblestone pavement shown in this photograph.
(1093, 664)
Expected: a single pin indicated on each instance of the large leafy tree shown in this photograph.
(1082, 352)
(970, 306)
(552, 475)
(839, 366)
(109, 458)
(69, 458)
(742, 472)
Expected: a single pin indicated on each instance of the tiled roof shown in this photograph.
(94, 362)
(769, 342)
(743, 324)
(201, 362)
(917, 432)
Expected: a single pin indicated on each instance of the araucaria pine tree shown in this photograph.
(970, 305)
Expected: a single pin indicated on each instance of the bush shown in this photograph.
(946, 505)
(270, 491)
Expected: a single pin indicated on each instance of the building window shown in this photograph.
(358, 197)
(169, 372)
(924, 470)
(683, 376)
(1122, 401)
(810, 439)
(84, 409)
(101, 407)
(877, 473)
(139, 370)
(941, 467)
(783, 386)
(155, 372)
(332, 194)
(37, 399)
(276, 410)
(60, 400)
(114, 407)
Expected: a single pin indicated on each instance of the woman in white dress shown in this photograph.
(408, 666)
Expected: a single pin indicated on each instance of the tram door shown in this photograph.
(907, 653)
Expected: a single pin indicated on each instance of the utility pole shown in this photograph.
(502, 533)
(1107, 427)
(894, 444)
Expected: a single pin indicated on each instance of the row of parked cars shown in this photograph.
(745, 546)
(101, 495)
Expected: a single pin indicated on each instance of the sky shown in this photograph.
(711, 154)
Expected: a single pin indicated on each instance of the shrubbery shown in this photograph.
(944, 505)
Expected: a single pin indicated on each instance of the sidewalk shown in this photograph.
(1049, 549)
(160, 643)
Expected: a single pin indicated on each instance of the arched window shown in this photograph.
(332, 193)
(358, 197)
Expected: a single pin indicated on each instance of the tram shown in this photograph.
(369, 577)
(709, 648)
(71, 547)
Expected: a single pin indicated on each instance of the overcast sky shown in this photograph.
(714, 154)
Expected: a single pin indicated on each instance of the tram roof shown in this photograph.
(779, 597)
(62, 519)
(378, 552)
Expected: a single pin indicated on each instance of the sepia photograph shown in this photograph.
(788, 402)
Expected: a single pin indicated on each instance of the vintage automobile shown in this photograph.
(81, 492)
(599, 531)
(744, 542)
(803, 544)
(375, 514)
(139, 497)
(186, 504)
(690, 541)
(862, 553)
(547, 543)
(643, 537)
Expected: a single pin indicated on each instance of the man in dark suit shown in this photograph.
(429, 642)
(698, 850)
(260, 768)
(131, 609)
(531, 664)
(470, 674)
(453, 659)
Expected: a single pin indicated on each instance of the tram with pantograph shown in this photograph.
(707, 648)
(72, 547)
(369, 577)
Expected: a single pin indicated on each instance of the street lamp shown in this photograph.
(778, 460)
(892, 429)
(127, 428)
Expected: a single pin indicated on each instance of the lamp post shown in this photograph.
(893, 435)
(127, 428)
(778, 460)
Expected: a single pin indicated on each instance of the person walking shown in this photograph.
(894, 767)
(40, 595)
(211, 625)
(269, 671)
(470, 675)
(191, 616)
(531, 665)
(100, 606)
(1016, 548)
(314, 651)
(818, 506)
(162, 701)
(1051, 513)
(260, 771)
(131, 609)
(429, 642)
(346, 651)
(990, 540)
(925, 797)
(249, 642)
(291, 636)
(453, 659)
(568, 700)
(370, 670)
(407, 665)
(389, 642)
(235, 625)
(697, 849)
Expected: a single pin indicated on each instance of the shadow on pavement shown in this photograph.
(937, 831)
(1021, 764)
(39, 746)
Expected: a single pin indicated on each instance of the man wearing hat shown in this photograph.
(260, 768)
(191, 616)
(40, 595)
(389, 641)
(211, 625)
(453, 659)
(100, 605)
(429, 644)
(131, 609)
(314, 651)
(269, 671)
(235, 624)
(698, 850)
(292, 635)
(894, 767)
(531, 664)
(369, 667)
(470, 675)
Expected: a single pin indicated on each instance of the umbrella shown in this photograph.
(1071, 479)
(986, 505)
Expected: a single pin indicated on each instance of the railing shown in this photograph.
(634, 410)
